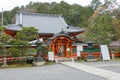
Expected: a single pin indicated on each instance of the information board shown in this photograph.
(105, 52)
(50, 56)
(79, 48)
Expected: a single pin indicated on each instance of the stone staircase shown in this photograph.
(58, 60)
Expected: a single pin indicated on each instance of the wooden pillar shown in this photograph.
(70, 50)
(67, 50)
(53, 49)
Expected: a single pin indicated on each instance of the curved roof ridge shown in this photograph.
(71, 27)
(39, 14)
(62, 33)
(63, 21)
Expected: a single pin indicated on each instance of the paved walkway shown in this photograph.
(93, 70)
(51, 72)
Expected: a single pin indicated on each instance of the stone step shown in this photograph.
(57, 60)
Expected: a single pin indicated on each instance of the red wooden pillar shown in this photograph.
(53, 49)
(67, 50)
(70, 50)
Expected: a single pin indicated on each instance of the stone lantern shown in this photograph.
(90, 56)
(38, 60)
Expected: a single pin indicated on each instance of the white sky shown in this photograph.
(10, 4)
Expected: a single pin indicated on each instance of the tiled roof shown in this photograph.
(45, 23)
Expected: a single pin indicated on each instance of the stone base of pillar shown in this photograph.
(91, 60)
(4, 65)
(38, 63)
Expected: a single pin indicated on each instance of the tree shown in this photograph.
(116, 22)
(43, 8)
(95, 4)
(14, 51)
(101, 31)
(85, 15)
(21, 43)
(23, 37)
(116, 25)
(30, 32)
(4, 40)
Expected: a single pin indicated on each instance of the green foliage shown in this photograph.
(116, 23)
(27, 34)
(101, 31)
(118, 50)
(2, 28)
(4, 40)
(43, 8)
(15, 52)
(45, 49)
(31, 51)
(3, 50)
(95, 4)
(23, 37)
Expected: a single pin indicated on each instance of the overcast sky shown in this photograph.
(10, 4)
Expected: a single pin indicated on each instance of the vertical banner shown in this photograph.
(50, 56)
(79, 48)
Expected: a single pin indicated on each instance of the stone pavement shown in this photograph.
(110, 75)
(112, 65)
(51, 72)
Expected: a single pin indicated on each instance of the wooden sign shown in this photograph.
(79, 48)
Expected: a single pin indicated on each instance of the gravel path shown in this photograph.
(52, 72)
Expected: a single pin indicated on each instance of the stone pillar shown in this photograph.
(5, 62)
(112, 52)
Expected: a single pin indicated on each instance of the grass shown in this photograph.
(25, 65)
(19, 65)
(100, 59)
(80, 60)
(49, 63)
(116, 59)
(16, 66)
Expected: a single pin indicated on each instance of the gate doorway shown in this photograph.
(60, 45)
(60, 49)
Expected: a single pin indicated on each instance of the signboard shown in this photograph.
(50, 56)
(78, 53)
(79, 48)
(105, 52)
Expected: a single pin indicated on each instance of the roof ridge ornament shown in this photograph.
(62, 31)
